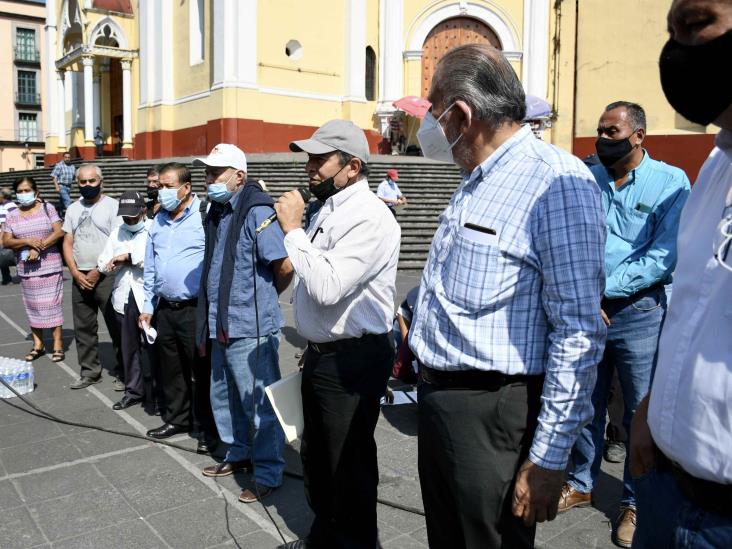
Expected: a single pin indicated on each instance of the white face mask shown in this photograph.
(432, 138)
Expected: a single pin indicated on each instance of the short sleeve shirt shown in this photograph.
(64, 173)
(91, 225)
(39, 224)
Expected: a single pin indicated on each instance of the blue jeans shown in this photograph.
(233, 368)
(64, 194)
(668, 520)
(632, 341)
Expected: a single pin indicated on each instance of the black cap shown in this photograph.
(131, 204)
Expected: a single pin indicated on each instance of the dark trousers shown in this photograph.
(471, 443)
(184, 375)
(131, 348)
(340, 397)
(86, 305)
(5, 272)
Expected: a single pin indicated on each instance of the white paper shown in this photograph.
(479, 237)
(150, 333)
(286, 401)
(401, 397)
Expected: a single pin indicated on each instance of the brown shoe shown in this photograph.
(226, 468)
(624, 528)
(572, 498)
(250, 496)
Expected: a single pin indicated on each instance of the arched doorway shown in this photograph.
(448, 34)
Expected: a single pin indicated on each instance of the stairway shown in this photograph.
(427, 185)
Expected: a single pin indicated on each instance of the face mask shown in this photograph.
(89, 192)
(219, 192)
(693, 78)
(26, 199)
(432, 138)
(136, 228)
(326, 188)
(152, 193)
(609, 151)
(169, 199)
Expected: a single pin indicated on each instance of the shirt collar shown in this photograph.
(517, 140)
(193, 206)
(341, 196)
(724, 141)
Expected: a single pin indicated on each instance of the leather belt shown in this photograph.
(347, 344)
(177, 305)
(473, 379)
(710, 496)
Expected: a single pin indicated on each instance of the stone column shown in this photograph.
(391, 68)
(97, 99)
(88, 63)
(61, 110)
(126, 103)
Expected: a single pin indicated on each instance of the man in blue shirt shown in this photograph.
(62, 177)
(642, 199)
(243, 337)
(173, 265)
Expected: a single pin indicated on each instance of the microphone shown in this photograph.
(304, 193)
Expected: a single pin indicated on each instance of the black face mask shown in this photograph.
(326, 188)
(609, 151)
(693, 78)
(152, 193)
(88, 192)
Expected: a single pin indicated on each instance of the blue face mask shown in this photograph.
(168, 199)
(136, 228)
(218, 192)
(26, 199)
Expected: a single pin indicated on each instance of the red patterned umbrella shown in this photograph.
(416, 106)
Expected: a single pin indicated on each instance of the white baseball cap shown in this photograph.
(224, 155)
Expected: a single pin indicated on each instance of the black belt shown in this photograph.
(473, 379)
(177, 305)
(341, 345)
(710, 496)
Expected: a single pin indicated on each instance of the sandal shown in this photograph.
(34, 354)
(58, 355)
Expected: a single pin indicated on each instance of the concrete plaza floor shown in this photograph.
(73, 487)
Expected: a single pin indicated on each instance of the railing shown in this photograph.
(28, 99)
(27, 55)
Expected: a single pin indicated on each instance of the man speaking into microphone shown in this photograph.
(344, 304)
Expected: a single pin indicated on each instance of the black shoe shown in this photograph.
(126, 402)
(297, 544)
(206, 445)
(167, 430)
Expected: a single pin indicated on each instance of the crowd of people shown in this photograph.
(545, 278)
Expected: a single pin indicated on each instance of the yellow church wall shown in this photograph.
(190, 79)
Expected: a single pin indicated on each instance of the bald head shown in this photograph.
(481, 76)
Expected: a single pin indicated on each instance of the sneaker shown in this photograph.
(572, 498)
(84, 382)
(624, 528)
(614, 452)
(117, 384)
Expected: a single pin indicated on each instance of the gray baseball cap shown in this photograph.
(336, 135)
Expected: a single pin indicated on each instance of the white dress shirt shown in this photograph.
(130, 275)
(346, 267)
(690, 415)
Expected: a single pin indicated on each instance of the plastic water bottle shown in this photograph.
(18, 374)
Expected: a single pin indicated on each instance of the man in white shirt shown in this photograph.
(344, 304)
(123, 256)
(681, 436)
(389, 193)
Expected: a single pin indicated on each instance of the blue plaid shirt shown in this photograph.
(64, 173)
(525, 300)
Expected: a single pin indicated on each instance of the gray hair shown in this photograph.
(636, 114)
(481, 76)
(90, 165)
(6, 193)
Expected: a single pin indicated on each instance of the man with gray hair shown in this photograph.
(507, 324)
(88, 223)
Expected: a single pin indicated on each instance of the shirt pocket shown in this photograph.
(469, 273)
(634, 226)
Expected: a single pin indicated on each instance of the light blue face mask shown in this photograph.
(136, 228)
(168, 199)
(26, 199)
(218, 191)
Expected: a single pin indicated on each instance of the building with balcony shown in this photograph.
(174, 77)
(22, 124)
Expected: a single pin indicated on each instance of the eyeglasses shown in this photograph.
(723, 241)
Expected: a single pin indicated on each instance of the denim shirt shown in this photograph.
(270, 247)
(642, 223)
